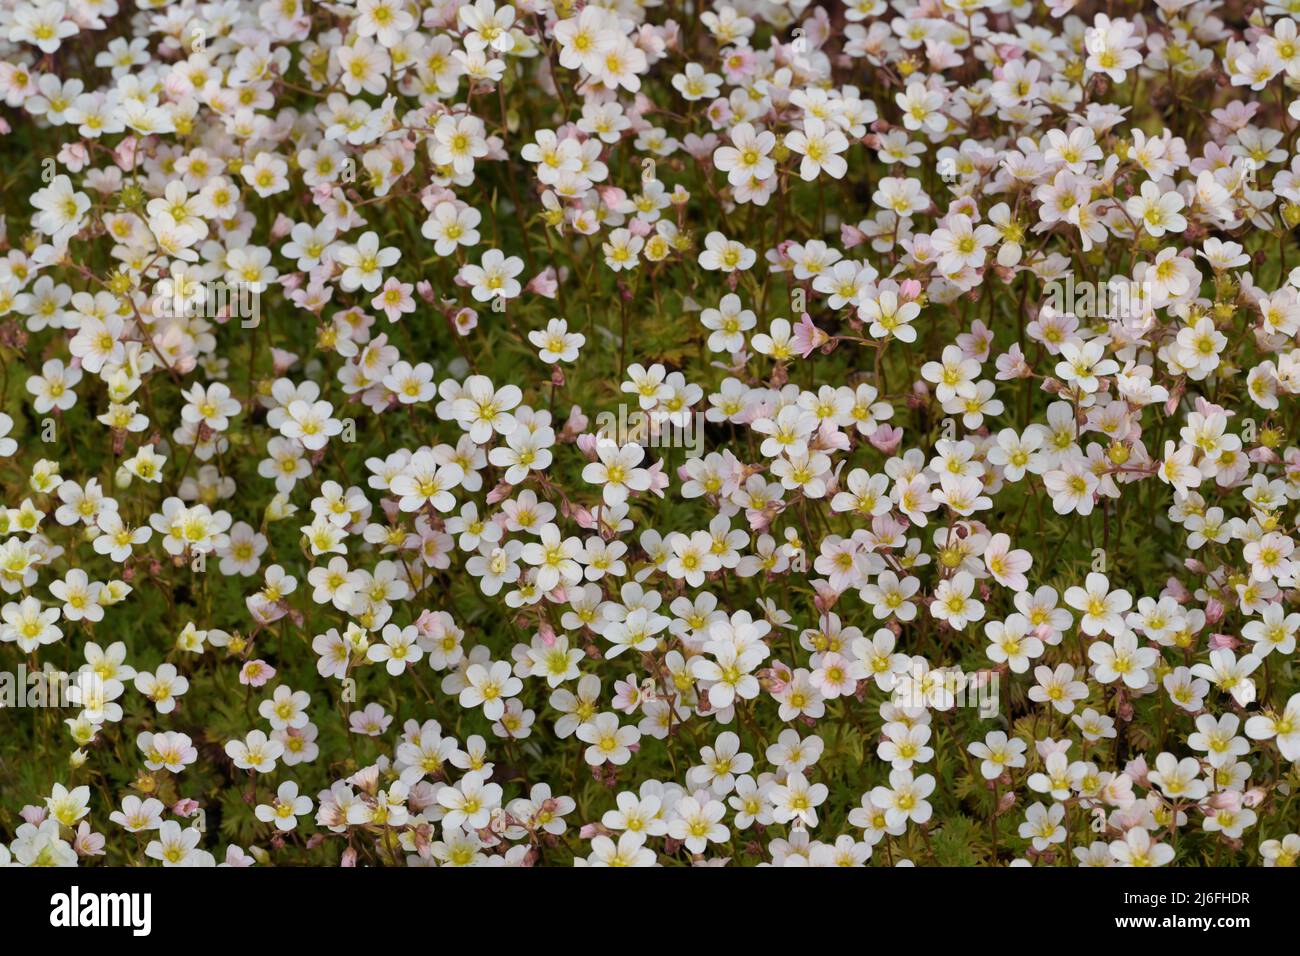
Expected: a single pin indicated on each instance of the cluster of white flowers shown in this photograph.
(955, 515)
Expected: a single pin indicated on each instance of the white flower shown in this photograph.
(725, 255)
(285, 809)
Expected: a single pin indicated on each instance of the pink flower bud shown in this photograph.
(1137, 770)
(586, 443)
(426, 624)
(544, 283)
(573, 426)
(612, 195)
(1225, 800)
(886, 439)
(826, 596)
(1214, 611)
(1177, 590)
(282, 361)
(124, 155)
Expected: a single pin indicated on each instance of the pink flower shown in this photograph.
(807, 337)
(1007, 566)
(465, 320)
(658, 478)
(256, 673)
(87, 841)
(74, 156)
(394, 299)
